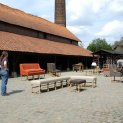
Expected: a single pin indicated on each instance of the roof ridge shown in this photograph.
(21, 18)
(20, 11)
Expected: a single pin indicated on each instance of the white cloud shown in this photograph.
(74, 29)
(111, 28)
(95, 19)
(116, 6)
(79, 30)
(82, 8)
(98, 5)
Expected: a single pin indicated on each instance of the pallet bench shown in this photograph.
(54, 81)
(49, 82)
(89, 79)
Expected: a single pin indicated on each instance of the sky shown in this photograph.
(87, 19)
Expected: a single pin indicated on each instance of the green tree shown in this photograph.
(98, 44)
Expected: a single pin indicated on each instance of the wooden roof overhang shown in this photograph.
(107, 52)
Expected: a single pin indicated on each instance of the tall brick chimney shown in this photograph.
(60, 12)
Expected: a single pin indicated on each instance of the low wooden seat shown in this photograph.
(89, 79)
(48, 82)
(78, 83)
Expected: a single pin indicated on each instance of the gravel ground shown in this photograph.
(103, 104)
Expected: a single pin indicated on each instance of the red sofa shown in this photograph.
(32, 69)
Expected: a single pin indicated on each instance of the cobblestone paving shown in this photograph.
(103, 104)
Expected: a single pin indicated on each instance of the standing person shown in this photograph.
(4, 73)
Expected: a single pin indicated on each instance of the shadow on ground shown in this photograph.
(15, 91)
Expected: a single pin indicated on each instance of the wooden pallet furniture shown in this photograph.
(51, 69)
(48, 83)
(53, 82)
(31, 69)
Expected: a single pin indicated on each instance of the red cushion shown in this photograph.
(105, 69)
(34, 71)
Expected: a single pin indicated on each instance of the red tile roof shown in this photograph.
(14, 42)
(21, 18)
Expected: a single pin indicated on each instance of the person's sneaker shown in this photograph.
(5, 94)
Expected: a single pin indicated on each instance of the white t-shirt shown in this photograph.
(5, 62)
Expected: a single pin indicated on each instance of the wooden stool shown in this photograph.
(78, 83)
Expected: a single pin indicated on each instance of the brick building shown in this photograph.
(30, 39)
